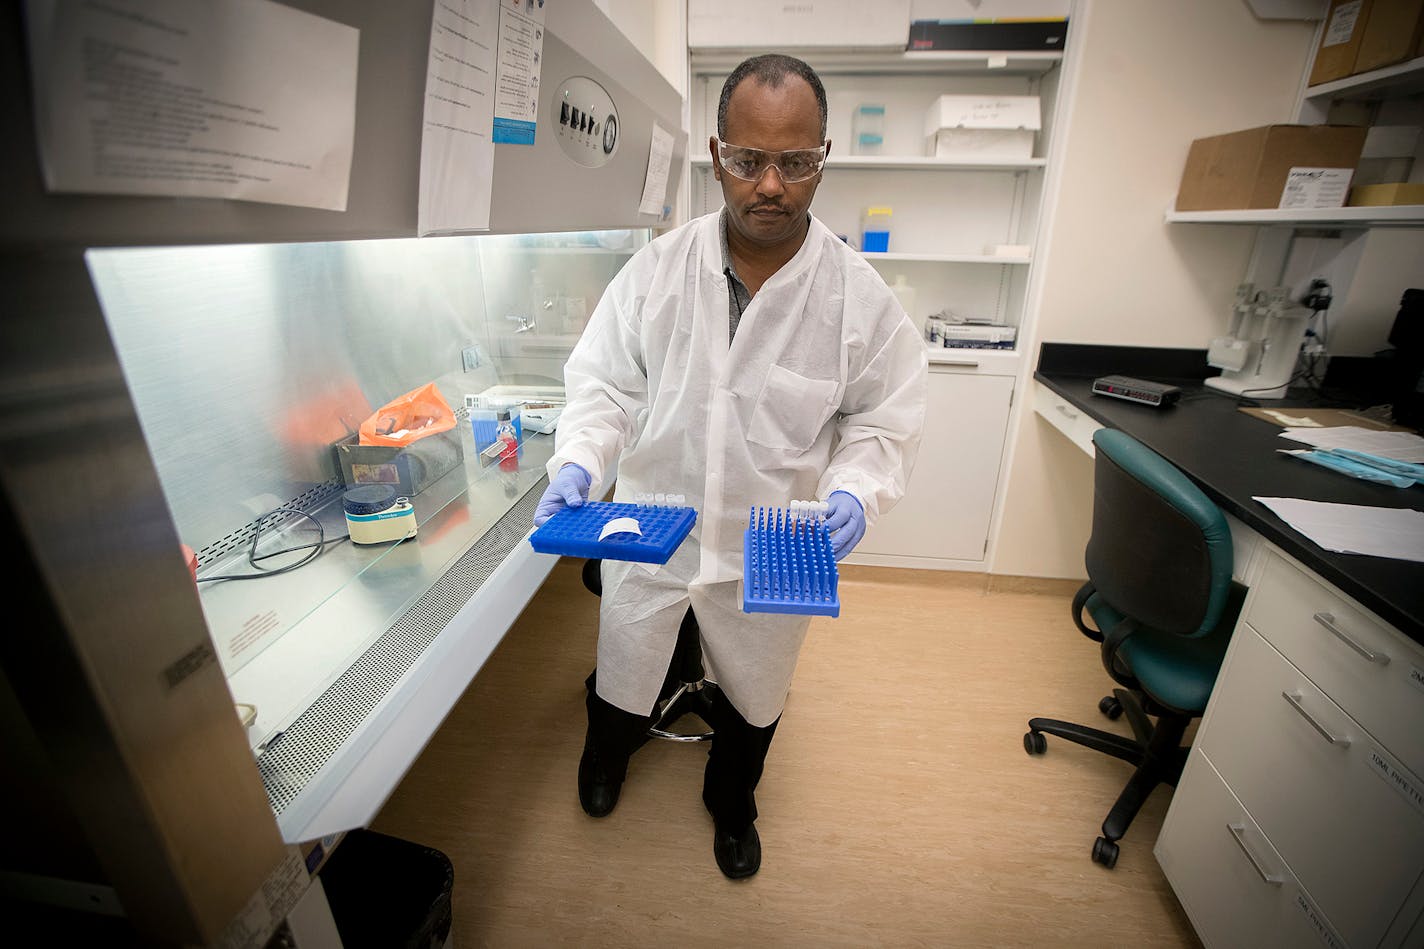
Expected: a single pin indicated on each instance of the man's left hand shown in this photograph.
(846, 522)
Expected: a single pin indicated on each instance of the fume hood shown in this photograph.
(175, 371)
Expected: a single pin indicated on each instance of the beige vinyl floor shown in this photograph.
(898, 806)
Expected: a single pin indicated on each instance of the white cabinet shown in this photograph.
(944, 518)
(1310, 754)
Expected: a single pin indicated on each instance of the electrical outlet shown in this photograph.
(470, 358)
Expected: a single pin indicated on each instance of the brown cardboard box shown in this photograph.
(1248, 169)
(1392, 34)
(1340, 40)
(1378, 196)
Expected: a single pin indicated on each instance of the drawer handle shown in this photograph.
(1294, 698)
(1238, 832)
(1063, 410)
(1328, 621)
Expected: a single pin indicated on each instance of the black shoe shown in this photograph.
(597, 789)
(738, 856)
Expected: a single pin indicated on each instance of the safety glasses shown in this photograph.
(750, 164)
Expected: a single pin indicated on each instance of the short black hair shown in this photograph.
(770, 69)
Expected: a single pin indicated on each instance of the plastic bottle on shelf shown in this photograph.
(904, 293)
(875, 230)
(868, 129)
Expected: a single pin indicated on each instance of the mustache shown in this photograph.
(767, 207)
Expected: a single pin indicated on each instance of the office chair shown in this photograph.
(685, 689)
(1163, 604)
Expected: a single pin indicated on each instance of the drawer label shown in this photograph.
(1315, 921)
(1416, 677)
(1395, 775)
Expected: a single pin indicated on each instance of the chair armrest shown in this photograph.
(1080, 602)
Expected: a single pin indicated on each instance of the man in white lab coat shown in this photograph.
(746, 358)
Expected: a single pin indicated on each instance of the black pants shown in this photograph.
(734, 762)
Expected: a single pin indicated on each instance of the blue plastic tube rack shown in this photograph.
(573, 532)
(788, 565)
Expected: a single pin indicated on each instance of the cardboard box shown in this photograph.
(411, 469)
(736, 24)
(1392, 34)
(1252, 168)
(982, 127)
(1340, 40)
(1377, 196)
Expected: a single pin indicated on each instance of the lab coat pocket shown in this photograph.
(791, 410)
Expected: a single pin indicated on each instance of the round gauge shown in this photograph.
(585, 121)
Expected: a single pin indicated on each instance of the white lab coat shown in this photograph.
(822, 389)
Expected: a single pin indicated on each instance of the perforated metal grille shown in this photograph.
(305, 747)
(310, 501)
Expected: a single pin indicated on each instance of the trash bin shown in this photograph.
(388, 893)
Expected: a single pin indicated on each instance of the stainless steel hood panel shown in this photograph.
(532, 191)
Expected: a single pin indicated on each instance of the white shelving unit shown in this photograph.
(1387, 96)
(947, 215)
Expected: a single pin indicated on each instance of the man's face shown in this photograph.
(770, 210)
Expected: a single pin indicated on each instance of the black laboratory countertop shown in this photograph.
(1233, 457)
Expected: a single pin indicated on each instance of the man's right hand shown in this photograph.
(568, 488)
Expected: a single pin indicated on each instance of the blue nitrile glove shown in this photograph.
(846, 522)
(568, 488)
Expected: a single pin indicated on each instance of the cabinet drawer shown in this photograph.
(1363, 664)
(1063, 415)
(1233, 884)
(1343, 813)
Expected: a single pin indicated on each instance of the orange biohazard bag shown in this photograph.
(418, 413)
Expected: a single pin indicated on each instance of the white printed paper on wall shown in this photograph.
(456, 150)
(659, 162)
(521, 49)
(242, 99)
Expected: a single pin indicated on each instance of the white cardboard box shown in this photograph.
(982, 127)
(723, 24)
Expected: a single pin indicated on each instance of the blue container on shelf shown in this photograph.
(575, 532)
(875, 230)
(788, 565)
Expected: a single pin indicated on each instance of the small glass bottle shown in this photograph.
(505, 435)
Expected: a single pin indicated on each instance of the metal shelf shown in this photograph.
(1401, 79)
(945, 258)
(913, 163)
(1411, 215)
(832, 61)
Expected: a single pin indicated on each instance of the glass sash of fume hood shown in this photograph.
(248, 363)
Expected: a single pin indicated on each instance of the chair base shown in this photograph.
(1155, 750)
(694, 698)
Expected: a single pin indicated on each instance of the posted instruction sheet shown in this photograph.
(245, 99)
(456, 150)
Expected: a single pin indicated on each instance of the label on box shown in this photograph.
(1316, 188)
(1342, 24)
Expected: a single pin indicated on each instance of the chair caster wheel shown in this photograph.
(1110, 707)
(1105, 852)
(1035, 743)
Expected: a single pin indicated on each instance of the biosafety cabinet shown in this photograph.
(179, 373)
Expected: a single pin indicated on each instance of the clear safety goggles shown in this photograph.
(750, 164)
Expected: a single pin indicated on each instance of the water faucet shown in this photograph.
(526, 323)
